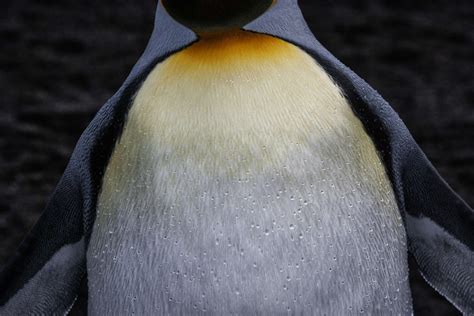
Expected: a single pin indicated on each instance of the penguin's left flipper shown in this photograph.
(440, 230)
(45, 274)
(439, 224)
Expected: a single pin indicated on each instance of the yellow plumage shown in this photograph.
(240, 98)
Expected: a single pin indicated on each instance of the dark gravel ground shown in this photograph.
(61, 59)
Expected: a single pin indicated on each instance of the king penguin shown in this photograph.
(241, 169)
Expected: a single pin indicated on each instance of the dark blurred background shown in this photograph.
(60, 60)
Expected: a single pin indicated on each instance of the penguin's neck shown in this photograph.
(231, 50)
(239, 94)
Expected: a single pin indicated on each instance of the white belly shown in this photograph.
(246, 189)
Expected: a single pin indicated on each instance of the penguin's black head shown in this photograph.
(204, 16)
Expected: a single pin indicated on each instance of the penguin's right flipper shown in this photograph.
(45, 274)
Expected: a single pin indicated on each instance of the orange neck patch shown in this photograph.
(227, 49)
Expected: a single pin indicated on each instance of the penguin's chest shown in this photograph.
(245, 188)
